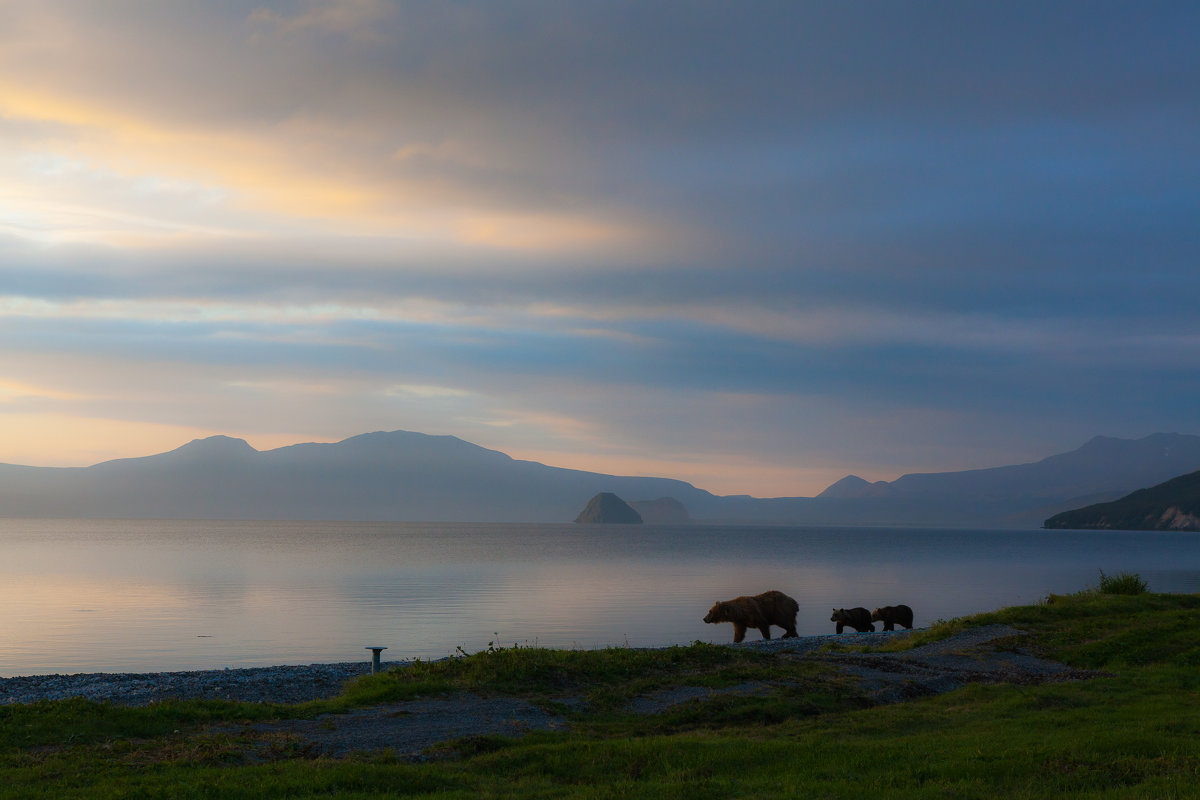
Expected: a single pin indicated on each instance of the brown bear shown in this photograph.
(760, 611)
(857, 618)
(891, 616)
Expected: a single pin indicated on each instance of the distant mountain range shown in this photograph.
(1170, 506)
(407, 476)
(375, 476)
(1023, 495)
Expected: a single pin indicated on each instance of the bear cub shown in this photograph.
(857, 618)
(891, 616)
(760, 611)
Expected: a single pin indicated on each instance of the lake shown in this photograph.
(137, 596)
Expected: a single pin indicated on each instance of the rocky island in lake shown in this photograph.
(606, 507)
(663, 511)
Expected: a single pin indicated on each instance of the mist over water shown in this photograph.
(134, 596)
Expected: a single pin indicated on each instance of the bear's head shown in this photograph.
(718, 613)
(877, 615)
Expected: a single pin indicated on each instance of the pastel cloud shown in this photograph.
(354, 18)
(120, 130)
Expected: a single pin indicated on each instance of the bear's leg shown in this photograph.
(766, 631)
(888, 626)
(840, 626)
(790, 632)
(739, 631)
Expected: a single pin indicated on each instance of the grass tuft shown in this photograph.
(1121, 583)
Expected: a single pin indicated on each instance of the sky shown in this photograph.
(754, 246)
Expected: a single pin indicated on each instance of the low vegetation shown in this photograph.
(1121, 583)
(1128, 733)
(601, 680)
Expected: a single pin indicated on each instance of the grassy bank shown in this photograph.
(1132, 733)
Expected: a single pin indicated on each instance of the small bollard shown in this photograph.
(375, 650)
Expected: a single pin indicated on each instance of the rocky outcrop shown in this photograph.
(663, 511)
(1170, 506)
(607, 508)
(1175, 519)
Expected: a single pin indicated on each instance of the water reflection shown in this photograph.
(145, 595)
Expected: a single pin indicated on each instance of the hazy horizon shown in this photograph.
(751, 248)
(183, 445)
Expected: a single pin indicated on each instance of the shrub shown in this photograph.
(1121, 583)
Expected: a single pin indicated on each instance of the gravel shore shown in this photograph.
(286, 684)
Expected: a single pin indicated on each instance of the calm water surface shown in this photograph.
(104, 596)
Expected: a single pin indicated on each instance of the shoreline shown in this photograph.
(276, 684)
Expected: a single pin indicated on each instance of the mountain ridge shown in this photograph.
(1091, 469)
(1172, 505)
(409, 476)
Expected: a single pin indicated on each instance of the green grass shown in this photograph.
(615, 671)
(1132, 733)
(76, 721)
(1121, 583)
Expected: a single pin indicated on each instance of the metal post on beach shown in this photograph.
(375, 651)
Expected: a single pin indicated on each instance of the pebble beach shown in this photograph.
(283, 684)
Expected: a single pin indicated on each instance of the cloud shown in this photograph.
(355, 18)
(16, 391)
(304, 164)
(424, 391)
(603, 135)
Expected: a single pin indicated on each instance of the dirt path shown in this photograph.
(969, 657)
(409, 729)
